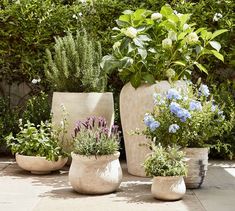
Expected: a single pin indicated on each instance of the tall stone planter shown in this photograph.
(79, 106)
(95, 174)
(134, 103)
(197, 161)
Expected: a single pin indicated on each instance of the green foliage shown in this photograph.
(165, 162)
(161, 45)
(41, 140)
(92, 137)
(75, 65)
(37, 109)
(188, 119)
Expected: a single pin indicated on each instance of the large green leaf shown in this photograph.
(149, 78)
(166, 10)
(218, 32)
(136, 79)
(201, 67)
(182, 63)
(215, 45)
(218, 55)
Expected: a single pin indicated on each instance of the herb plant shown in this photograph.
(187, 118)
(41, 140)
(165, 162)
(93, 137)
(159, 45)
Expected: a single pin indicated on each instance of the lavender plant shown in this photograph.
(93, 137)
(186, 118)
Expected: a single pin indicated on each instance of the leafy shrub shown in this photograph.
(92, 137)
(75, 65)
(165, 162)
(39, 140)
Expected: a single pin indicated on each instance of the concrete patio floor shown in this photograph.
(22, 191)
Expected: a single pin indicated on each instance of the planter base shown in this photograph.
(40, 172)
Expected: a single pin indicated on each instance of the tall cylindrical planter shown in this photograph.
(79, 106)
(134, 103)
(95, 174)
(197, 161)
(168, 188)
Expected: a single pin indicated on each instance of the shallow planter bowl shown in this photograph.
(168, 188)
(39, 165)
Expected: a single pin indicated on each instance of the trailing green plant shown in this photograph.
(93, 137)
(151, 45)
(37, 109)
(188, 118)
(41, 140)
(164, 162)
(75, 64)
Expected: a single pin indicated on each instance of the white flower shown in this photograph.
(156, 16)
(217, 16)
(167, 43)
(39, 80)
(172, 35)
(177, 13)
(34, 81)
(192, 38)
(74, 16)
(131, 32)
(185, 26)
(80, 14)
(116, 45)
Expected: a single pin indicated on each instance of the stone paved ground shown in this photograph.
(21, 191)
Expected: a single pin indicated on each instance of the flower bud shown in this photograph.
(131, 32)
(166, 43)
(156, 16)
(192, 38)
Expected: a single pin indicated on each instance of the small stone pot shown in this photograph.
(197, 161)
(39, 165)
(95, 174)
(168, 188)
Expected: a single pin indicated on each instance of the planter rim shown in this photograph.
(196, 148)
(84, 92)
(168, 177)
(32, 156)
(93, 158)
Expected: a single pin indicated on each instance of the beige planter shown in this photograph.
(95, 174)
(39, 165)
(134, 103)
(168, 188)
(197, 161)
(79, 106)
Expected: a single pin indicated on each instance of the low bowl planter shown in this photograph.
(168, 188)
(39, 165)
(95, 174)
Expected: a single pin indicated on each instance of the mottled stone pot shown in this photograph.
(79, 106)
(134, 103)
(197, 161)
(39, 165)
(168, 188)
(95, 174)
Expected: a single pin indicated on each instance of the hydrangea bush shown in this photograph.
(187, 117)
(93, 137)
(159, 45)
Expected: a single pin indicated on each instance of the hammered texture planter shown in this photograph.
(39, 165)
(134, 103)
(79, 106)
(168, 188)
(197, 161)
(95, 174)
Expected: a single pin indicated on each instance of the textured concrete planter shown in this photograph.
(197, 161)
(79, 106)
(134, 103)
(39, 165)
(168, 188)
(95, 174)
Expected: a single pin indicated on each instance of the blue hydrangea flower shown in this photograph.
(204, 90)
(173, 128)
(154, 125)
(183, 114)
(195, 105)
(158, 99)
(148, 119)
(174, 107)
(173, 94)
(214, 108)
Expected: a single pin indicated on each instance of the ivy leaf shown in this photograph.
(215, 45)
(201, 67)
(142, 52)
(136, 79)
(218, 32)
(218, 55)
(138, 42)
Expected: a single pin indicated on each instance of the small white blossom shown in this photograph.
(74, 16)
(167, 43)
(192, 38)
(35, 81)
(217, 16)
(185, 26)
(156, 16)
(80, 14)
(131, 32)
